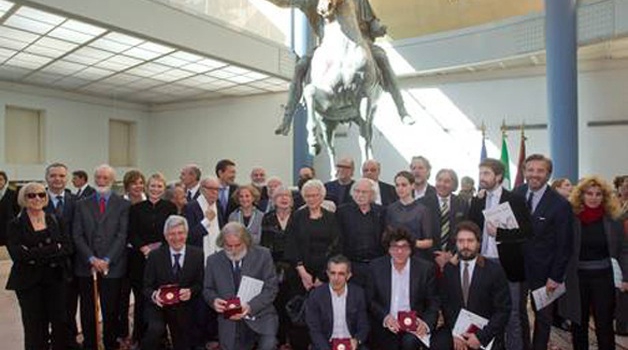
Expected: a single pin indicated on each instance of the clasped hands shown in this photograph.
(392, 324)
(185, 294)
(220, 305)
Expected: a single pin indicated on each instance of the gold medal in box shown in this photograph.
(407, 321)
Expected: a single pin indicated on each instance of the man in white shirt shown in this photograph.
(337, 310)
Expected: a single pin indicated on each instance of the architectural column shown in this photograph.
(562, 86)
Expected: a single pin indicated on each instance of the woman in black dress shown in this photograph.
(274, 235)
(146, 225)
(40, 250)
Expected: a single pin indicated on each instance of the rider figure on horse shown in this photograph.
(371, 29)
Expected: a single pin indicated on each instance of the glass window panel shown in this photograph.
(44, 51)
(12, 44)
(6, 53)
(125, 60)
(43, 78)
(256, 75)
(123, 38)
(196, 68)
(211, 63)
(93, 73)
(220, 74)
(178, 73)
(83, 27)
(27, 24)
(145, 83)
(156, 48)
(64, 67)
(186, 56)
(236, 70)
(165, 77)
(17, 35)
(240, 79)
(114, 66)
(172, 61)
(110, 45)
(153, 67)
(70, 35)
(32, 58)
(56, 44)
(141, 53)
(12, 73)
(221, 84)
(71, 82)
(41, 16)
(5, 5)
(120, 79)
(81, 59)
(93, 53)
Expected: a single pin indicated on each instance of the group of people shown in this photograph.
(347, 264)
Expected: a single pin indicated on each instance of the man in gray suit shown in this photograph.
(224, 273)
(100, 229)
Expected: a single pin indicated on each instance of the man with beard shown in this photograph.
(505, 246)
(258, 180)
(488, 298)
(257, 321)
(100, 231)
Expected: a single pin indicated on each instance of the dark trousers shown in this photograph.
(123, 312)
(205, 325)
(139, 324)
(385, 339)
(175, 318)
(543, 320)
(44, 316)
(597, 293)
(442, 339)
(72, 298)
(109, 292)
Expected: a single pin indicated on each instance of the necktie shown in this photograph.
(465, 283)
(237, 275)
(189, 196)
(223, 199)
(176, 268)
(530, 198)
(78, 193)
(59, 208)
(102, 205)
(444, 225)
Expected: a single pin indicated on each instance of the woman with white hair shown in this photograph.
(40, 249)
(313, 236)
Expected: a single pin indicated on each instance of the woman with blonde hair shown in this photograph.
(598, 238)
(247, 214)
(40, 249)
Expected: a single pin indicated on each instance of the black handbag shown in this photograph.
(295, 308)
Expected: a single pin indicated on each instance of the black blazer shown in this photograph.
(88, 191)
(67, 216)
(8, 211)
(33, 254)
(489, 297)
(232, 205)
(334, 195)
(423, 297)
(387, 192)
(458, 211)
(158, 271)
(549, 249)
(319, 315)
(430, 200)
(512, 242)
(194, 214)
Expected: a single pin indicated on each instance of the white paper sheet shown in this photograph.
(249, 288)
(542, 298)
(618, 277)
(501, 216)
(467, 318)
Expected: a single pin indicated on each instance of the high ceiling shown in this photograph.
(46, 49)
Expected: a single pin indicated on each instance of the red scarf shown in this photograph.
(590, 215)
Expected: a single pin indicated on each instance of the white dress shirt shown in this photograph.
(340, 329)
(400, 289)
(489, 249)
(212, 228)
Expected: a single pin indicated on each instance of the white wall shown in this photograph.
(461, 107)
(241, 129)
(76, 130)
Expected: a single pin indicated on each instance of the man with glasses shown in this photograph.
(338, 191)
(400, 285)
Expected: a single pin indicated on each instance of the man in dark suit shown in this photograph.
(425, 193)
(453, 210)
(176, 263)
(190, 177)
(79, 181)
(401, 283)
(225, 271)
(258, 180)
(338, 190)
(8, 206)
(226, 172)
(549, 249)
(337, 310)
(475, 284)
(509, 251)
(100, 231)
(61, 204)
(386, 193)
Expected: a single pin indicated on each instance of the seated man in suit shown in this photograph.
(337, 310)
(400, 283)
(175, 264)
(478, 285)
(385, 193)
(257, 319)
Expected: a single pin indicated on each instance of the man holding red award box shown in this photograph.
(402, 295)
(241, 285)
(173, 276)
(336, 312)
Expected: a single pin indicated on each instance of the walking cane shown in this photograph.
(99, 344)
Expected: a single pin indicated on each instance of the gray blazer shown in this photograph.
(258, 264)
(569, 304)
(101, 236)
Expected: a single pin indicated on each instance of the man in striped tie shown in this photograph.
(453, 210)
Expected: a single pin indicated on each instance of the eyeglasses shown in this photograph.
(32, 195)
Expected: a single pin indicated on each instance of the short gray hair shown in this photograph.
(237, 229)
(173, 221)
(373, 184)
(106, 167)
(315, 183)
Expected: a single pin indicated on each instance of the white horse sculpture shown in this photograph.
(344, 80)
